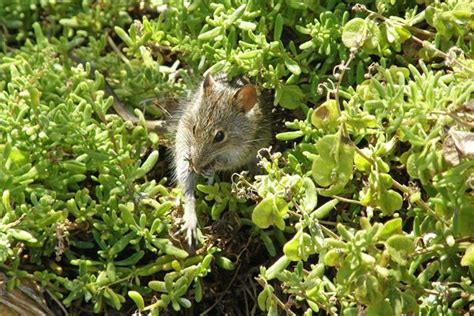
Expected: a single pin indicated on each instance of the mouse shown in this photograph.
(222, 126)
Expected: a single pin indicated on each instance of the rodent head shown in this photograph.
(222, 126)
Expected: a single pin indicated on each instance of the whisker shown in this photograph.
(256, 140)
(252, 141)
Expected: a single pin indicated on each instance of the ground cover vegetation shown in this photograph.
(365, 202)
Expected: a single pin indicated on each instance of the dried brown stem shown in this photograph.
(117, 50)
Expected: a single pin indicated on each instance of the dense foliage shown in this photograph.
(365, 204)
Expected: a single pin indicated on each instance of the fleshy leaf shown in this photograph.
(297, 248)
(292, 66)
(289, 96)
(326, 116)
(390, 201)
(354, 33)
(333, 167)
(270, 211)
(400, 247)
(310, 198)
(468, 258)
(393, 226)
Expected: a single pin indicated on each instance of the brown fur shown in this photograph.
(240, 113)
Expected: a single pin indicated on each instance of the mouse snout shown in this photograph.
(195, 162)
(194, 165)
(199, 166)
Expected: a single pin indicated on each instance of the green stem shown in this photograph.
(276, 299)
(361, 7)
(343, 67)
(448, 58)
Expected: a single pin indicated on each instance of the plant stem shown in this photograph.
(276, 299)
(363, 8)
(418, 202)
(448, 59)
(117, 50)
(343, 199)
(343, 67)
(460, 243)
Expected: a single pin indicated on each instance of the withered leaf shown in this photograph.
(464, 142)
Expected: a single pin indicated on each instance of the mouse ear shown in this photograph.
(208, 84)
(246, 97)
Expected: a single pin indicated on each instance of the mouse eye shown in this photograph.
(219, 137)
(194, 129)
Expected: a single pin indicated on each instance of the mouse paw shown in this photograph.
(209, 176)
(189, 227)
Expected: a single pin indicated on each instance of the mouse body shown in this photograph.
(221, 127)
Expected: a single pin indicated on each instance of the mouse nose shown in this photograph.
(194, 165)
(198, 167)
(198, 162)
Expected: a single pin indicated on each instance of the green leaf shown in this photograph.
(403, 33)
(225, 263)
(361, 120)
(123, 35)
(352, 311)
(270, 211)
(264, 298)
(399, 248)
(16, 155)
(429, 271)
(379, 308)
(323, 168)
(333, 167)
(278, 27)
(385, 181)
(137, 298)
(208, 189)
(334, 257)
(267, 241)
(390, 201)
(22, 235)
(368, 290)
(297, 4)
(324, 210)
(211, 34)
(158, 286)
(410, 305)
(412, 165)
(360, 162)
(354, 33)
(373, 38)
(185, 302)
(326, 116)
(146, 166)
(468, 258)
(299, 247)
(393, 226)
(463, 221)
(292, 66)
(289, 96)
(277, 267)
(310, 198)
(289, 135)
(392, 35)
